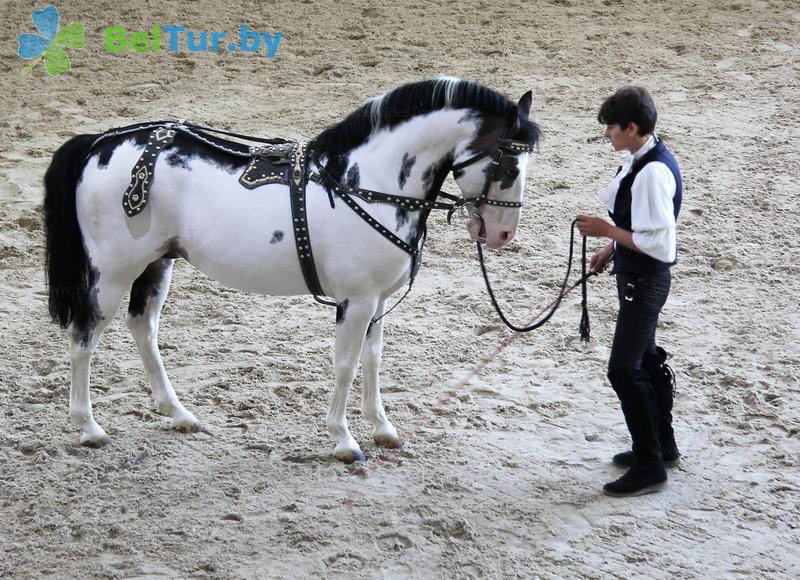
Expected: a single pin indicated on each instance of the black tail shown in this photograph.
(68, 271)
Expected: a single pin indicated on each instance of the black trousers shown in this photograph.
(641, 298)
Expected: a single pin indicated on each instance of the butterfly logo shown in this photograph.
(50, 44)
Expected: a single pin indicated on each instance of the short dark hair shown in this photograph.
(629, 104)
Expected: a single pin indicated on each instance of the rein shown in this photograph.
(551, 308)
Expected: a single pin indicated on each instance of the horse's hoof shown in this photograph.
(388, 441)
(349, 455)
(188, 426)
(94, 440)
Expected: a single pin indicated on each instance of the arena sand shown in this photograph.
(501, 476)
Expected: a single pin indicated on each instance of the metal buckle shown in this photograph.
(270, 150)
(629, 288)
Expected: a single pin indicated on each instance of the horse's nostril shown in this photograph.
(505, 236)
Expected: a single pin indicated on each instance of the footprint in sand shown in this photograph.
(565, 523)
(724, 264)
(394, 542)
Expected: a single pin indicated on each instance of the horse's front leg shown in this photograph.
(384, 434)
(352, 319)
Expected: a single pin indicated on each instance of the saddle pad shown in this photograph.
(268, 164)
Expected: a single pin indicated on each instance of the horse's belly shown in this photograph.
(244, 239)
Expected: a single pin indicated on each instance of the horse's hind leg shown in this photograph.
(148, 293)
(105, 298)
(371, 405)
(352, 319)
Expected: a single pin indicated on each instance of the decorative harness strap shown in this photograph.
(135, 197)
(297, 195)
(345, 193)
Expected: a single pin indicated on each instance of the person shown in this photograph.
(643, 200)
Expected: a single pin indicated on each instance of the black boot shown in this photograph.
(640, 407)
(640, 479)
(663, 379)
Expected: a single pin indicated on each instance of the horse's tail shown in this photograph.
(68, 272)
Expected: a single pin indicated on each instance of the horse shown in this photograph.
(387, 161)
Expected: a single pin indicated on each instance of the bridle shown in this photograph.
(504, 147)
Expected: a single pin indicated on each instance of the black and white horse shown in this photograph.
(402, 143)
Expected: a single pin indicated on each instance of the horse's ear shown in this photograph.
(524, 104)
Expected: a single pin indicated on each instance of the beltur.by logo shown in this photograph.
(118, 40)
(50, 44)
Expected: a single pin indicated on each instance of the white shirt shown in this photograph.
(652, 210)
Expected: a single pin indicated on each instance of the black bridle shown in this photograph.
(504, 148)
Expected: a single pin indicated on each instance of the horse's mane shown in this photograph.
(418, 98)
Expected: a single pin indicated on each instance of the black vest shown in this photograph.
(627, 261)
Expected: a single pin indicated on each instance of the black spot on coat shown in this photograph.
(341, 310)
(470, 115)
(147, 285)
(176, 160)
(508, 171)
(84, 325)
(172, 249)
(401, 216)
(434, 176)
(405, 169)
(105, 148)
(413, 234)
(277, 236)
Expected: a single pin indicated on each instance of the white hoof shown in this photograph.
(348, 454)
(95, 437)
(185, 422)
(182, 420)
(386, 436)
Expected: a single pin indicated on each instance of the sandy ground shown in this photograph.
(500, 476)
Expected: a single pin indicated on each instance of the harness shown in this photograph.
(294, 164)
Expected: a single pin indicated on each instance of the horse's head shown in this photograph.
(490, 171)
